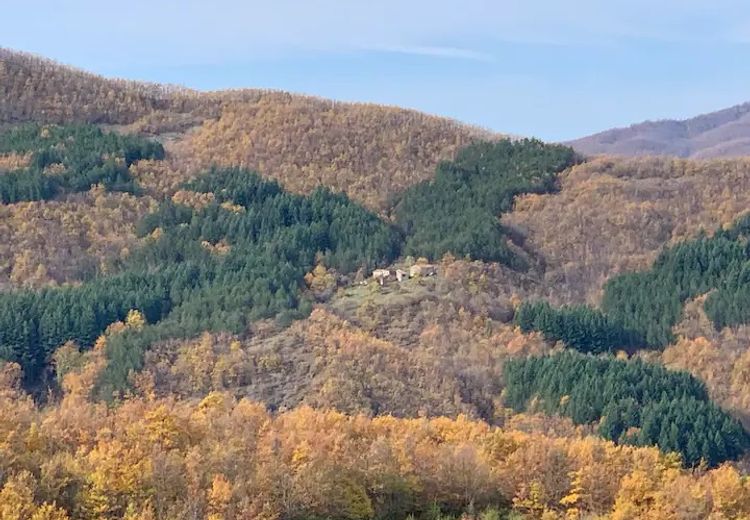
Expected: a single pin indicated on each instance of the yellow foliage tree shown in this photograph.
(135, 320)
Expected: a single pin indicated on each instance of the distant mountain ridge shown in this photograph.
(724, 133)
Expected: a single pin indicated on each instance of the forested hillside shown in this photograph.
(179, 459)
(36, 89)
(233, 250)
(268, 241)
(457, 212)
(189, 326)
(615, 215)
(69, 159)
(632, 402)
(370, 151)
(641, 308)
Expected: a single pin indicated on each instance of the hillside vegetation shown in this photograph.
(269, 240)
(615, 215)
(39, 90)
(231, 249)
(49, 243)
(189, 327)
(641, 308)
(160, 458)
(721, 359)
(371, 152)
(457, 212)
(632, 402)
(64, 159)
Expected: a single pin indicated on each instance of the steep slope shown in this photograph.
(231, 285)
(66, 240)
(719, 358)
(433, 346)
(370, 151)
(615, 214)
(36, 89)
(725, 133)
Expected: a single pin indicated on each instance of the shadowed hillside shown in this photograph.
(725, 133)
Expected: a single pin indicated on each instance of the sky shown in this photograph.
(544, 68)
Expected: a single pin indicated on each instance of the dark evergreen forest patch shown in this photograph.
(70, 158)
(632, 402)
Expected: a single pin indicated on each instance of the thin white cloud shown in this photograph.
(223, 31)
(435, 51)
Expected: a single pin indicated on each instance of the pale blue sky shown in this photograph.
(552, 69)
